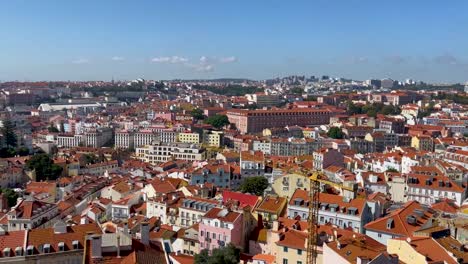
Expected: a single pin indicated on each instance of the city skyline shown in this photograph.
(155, 40)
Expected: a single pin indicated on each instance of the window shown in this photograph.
(30, 250)
(76, 244)
(285, 261)
(214, 236)
(379, 235)
(61, 246)
(299, 251)
(285, 249)
(299, 262)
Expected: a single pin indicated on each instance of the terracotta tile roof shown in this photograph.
(352, 248)
(271, 204)
(293, 239)
(183, 259)
(41, 236)
(26, 209)
(429, 248)
(455, 247)
(420, 182)
(12, 240)
(222, 214)
(268, 259)
(162, 186)
(121, 187)
(446, 206)
(399, 220)
(327, 198)
(256, 156)
(40, 187)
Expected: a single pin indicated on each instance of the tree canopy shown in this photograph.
(197, 114)
(372, 109)
(223, 255)
(8, 133)
(11, 196)
(217, 121)
(44, 167)
(335, 132)
(52, 129)
(255, 185)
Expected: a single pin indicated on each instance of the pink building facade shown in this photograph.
(219, 227)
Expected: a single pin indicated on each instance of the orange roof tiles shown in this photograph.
(271, 204)
(43, 236)
(230, 217)
(400, 225)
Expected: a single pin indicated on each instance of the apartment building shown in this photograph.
(125, 139)
(430, 189)
(326, 157)
(254, 121)
(192, 209)
(219, 227)
(162, 152)
(189, 137)
(70, 140)
(402, 222)
(334, 209)
(29, 214)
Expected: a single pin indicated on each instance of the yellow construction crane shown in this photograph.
(314, 191)
(315, 179)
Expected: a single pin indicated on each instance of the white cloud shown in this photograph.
(228, 59)
(80, 61)
(201, 67)
(117, 58)
(173, 59)
(204, 68)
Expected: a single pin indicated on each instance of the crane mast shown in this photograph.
(314, 191)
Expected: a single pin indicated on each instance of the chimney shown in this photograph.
(144, 233)
(84, 220)
(338, 244)
(96, 243)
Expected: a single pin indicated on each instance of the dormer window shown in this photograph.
(30, 250)
(390, 223)
(18, 251)
(46, 248)
(76, 244)
(6, 252)
(61, 246)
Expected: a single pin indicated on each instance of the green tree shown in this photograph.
(218, 121)
(11, 196)
(255, 185)
(90, 158)
(297, 90)
(22, 151)
(8, 132)
(391, 170)
(335, 132)
(52, 129)
(197, 114)
(223, 255)
(44, 166)
(7, 152)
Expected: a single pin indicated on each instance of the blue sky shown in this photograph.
(98, 40)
